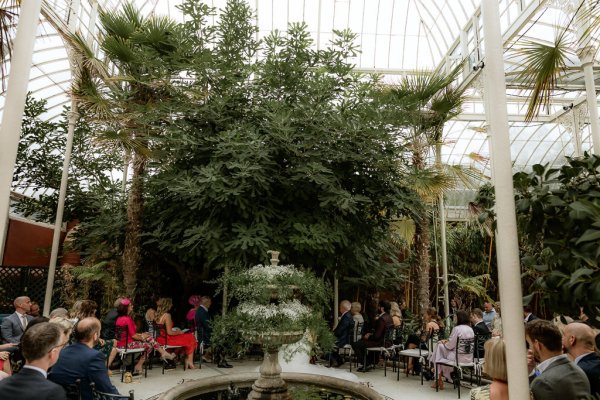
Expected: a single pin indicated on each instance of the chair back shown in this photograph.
(357, 332)
(160, 331)
(388, 337)
(96, 395)
(398, 335)
(73, 390)
(122, 334)
(478, 351)
(465, 347)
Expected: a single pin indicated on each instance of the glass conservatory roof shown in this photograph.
(396, 37)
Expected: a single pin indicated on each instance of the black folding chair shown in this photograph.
(122, 333)
(160, 331)
(73, 390)
(463, 347)
(96, 395)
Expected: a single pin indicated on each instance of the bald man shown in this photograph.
(578, 342)
(81, 361)
(14, 325)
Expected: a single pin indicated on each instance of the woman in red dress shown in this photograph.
(176, 337)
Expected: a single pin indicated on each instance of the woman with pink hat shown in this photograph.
(194, 301)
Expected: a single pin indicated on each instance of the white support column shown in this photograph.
(438, 160)
(576, 133)
(60, 209)
(92, 23)
(336, 299)
(464, 49)
(587, 62)
(509, 270)
(14, 105)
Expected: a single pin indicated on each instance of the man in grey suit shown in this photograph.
(14, 325)
(555, 377)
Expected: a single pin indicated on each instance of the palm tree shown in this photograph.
(422, 103)
(131, 103)
(8, 16)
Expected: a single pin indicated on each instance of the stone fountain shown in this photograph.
(271, 314)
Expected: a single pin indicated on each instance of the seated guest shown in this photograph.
(481, 331)
(554, 377)
(495, 368)
(81, 361)
(175, 337)
(14, 325)
(375, 339)
(59, 312)
(358, 319)
(5, 370)
(136, 340)
(528, 315)
(190, 317)
(431, 330)
(109, 321)
(34, 310)
(578, 343)
(342, 331)
(204, 329)
(85, 309)
(396, 313)
(41, 346)
(445, 352)
(65, 325)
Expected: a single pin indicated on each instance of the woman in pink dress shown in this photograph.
(176, 337)
(135, 340)
(445, 351)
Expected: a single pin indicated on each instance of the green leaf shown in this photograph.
(589, 235)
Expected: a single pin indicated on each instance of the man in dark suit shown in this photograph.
(14, 325)
(376, 339)
(342, 331)
(81, 361)
(204, 329)
(528, 316)
(41, 346)
(554, 377)
(482, 332)
(578, 342)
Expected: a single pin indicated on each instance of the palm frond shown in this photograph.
(403, 231)
(8, 29)
(121, 23)
(543, 65)
(429, 182)
(471, 284)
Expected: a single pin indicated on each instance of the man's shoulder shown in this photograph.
(590, 362)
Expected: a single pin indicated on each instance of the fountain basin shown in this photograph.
(192, 388)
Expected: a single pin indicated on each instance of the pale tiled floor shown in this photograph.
(407, 388)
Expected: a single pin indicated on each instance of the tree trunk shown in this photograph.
(421, 246)
(135, 204)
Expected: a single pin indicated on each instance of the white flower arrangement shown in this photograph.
(292, 310)
(269, 273)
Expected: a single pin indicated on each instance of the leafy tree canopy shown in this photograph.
(279, 146)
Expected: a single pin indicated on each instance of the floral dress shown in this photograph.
(126, 321)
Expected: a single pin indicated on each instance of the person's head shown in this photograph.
(117, 302)
(476, 315)
(462, 317)
(488, 306)
(526, 310)
(84, 309)
(495, 359)
(59, 312)
(205, 301)
(65, 324)
(163, 306)
(41, 345)
(22, 304)
(87, 331)
(395, 309)
(345, 306)
(355, 308)
(453, 303)
(194, 300)
(578, 338)
(544, 339)
(125, 307)
(384, 306)
(430, 314)
(34, 310)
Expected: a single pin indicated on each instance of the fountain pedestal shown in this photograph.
(270, 385)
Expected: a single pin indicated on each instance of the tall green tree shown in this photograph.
(128, 93)
(281, 148)
(419, 106)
